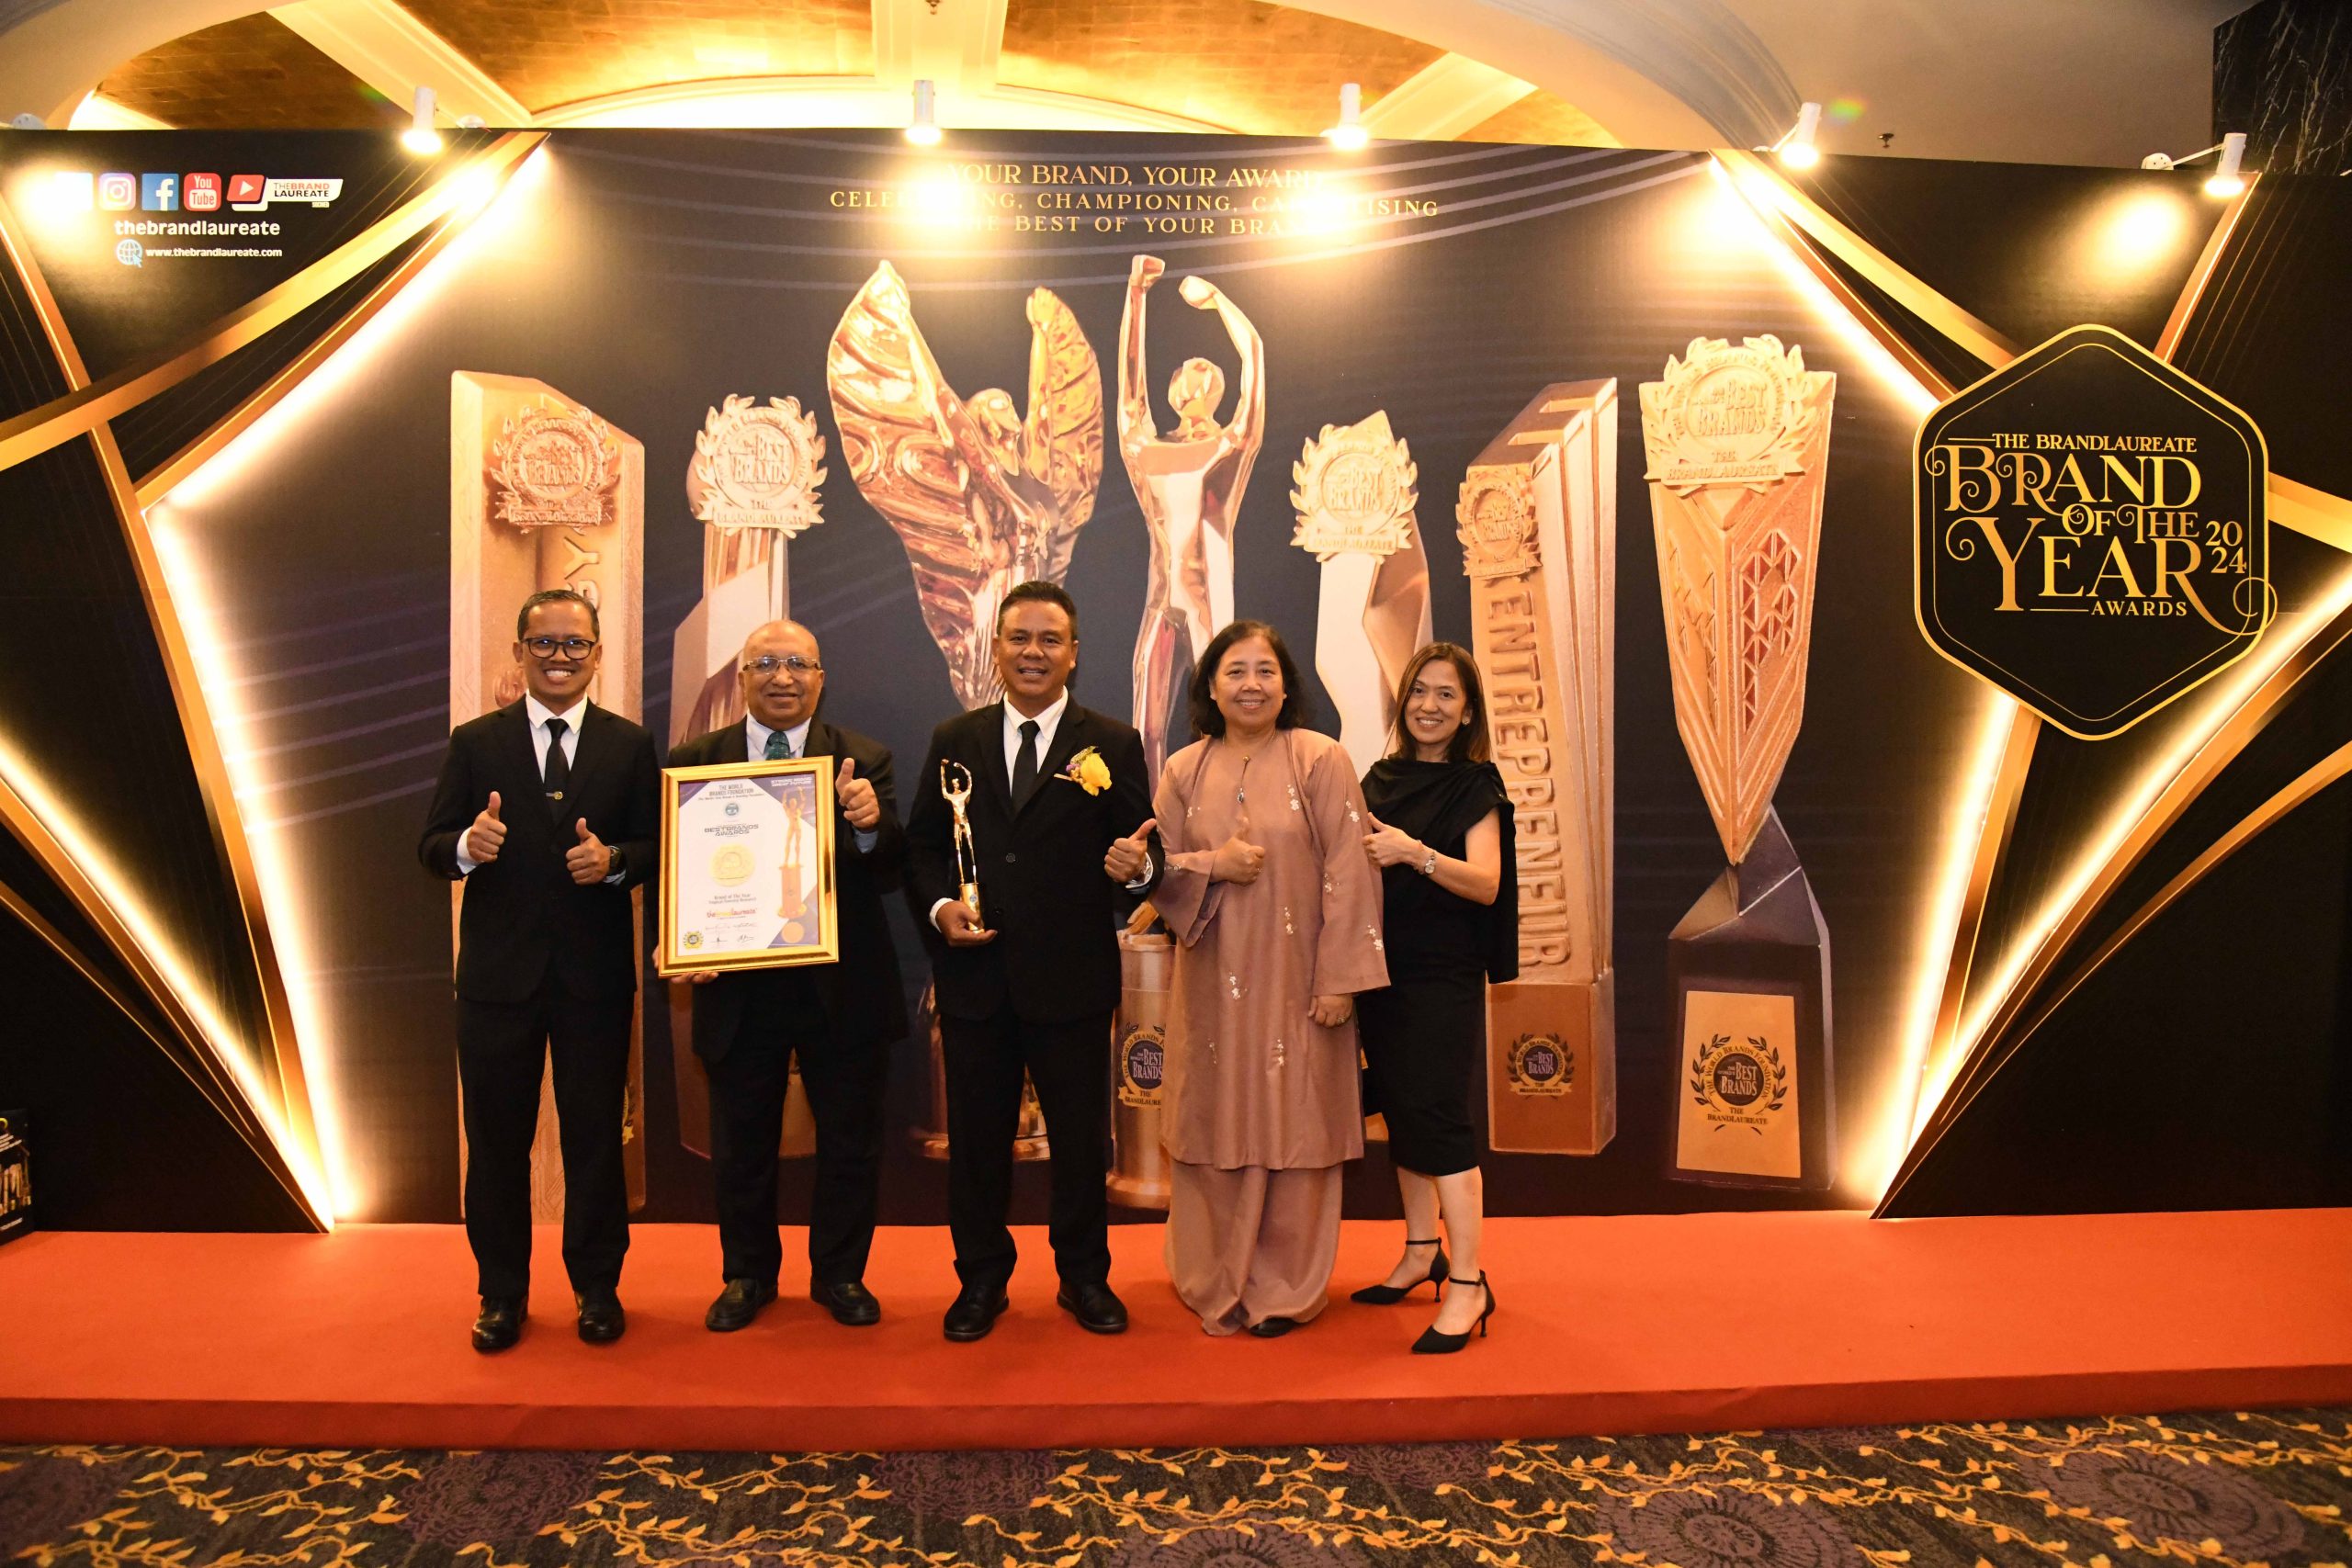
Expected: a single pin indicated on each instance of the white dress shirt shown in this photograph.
(755, 741)
(541, 737)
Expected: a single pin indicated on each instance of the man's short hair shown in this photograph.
(555, 596)
(1037, 590)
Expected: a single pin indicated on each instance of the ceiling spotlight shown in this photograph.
(2227, 181)
(1796, 149)
(923, 129)
(420, 137)
(27, 122)
(1348, 135)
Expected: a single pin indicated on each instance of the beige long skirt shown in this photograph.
(1247, 1244)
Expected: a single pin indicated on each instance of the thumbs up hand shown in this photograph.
(588, 861)
(859, 804)
(1127, 858)
(1238, 860)
(1393, 846)
(486, 835)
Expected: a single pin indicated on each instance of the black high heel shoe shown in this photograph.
(1389, 1296)
(1432, 1342)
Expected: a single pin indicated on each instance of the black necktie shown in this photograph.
(1024, 766)
(558, 773)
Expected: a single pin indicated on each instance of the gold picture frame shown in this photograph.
(747, 867)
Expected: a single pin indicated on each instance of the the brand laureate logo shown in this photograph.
(2091, 532)
(1540, 1064)
(1356, 487)
(757, 465)
(1740, 1082)
(554, 466)
(1143, 1065)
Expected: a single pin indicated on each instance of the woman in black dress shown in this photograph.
(1442, 839)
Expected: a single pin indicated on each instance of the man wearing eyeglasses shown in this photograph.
(548, 809)
(838, 1019)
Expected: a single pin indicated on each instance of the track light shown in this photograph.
(1348, 135)
(2227, 181)
(420, 137)
(1796, 149)
(923, 129)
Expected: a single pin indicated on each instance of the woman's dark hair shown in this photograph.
(1206, 720)
(1471, 742)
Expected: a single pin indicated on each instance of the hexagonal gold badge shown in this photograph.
(2091, 533)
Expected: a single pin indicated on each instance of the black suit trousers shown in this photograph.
(783, 1019)
(502, 1050)
(1071, 1065)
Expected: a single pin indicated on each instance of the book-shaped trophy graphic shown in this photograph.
(1737, 440)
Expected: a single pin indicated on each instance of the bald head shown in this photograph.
(776, 692)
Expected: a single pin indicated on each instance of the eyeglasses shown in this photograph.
(570, 647)
(768, 665)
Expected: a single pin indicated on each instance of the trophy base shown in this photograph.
(1754, 1093)
(1552, 1066)
(1136, 1193)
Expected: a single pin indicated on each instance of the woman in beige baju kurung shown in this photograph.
(1276, 916)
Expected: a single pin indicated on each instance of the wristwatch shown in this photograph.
(615, 863)
(1429, 866)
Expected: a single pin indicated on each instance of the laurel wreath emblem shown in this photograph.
(1703, 1069)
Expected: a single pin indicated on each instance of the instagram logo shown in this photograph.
(118, 192)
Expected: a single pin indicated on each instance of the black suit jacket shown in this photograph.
(1043, 889)
(861, 995)
(525, 919)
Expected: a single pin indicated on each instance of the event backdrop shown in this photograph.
(291, 427)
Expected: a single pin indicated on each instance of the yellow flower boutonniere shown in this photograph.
(1089, 772)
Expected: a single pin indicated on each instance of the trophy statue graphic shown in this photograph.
(753, 484)
(1189, 485)
(1737, 440)
(983, 497)
(544, 493)
(1356, 487)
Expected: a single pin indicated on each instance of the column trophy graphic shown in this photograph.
(982, 496)
(545, 495)
(1737, 440)
(753, 484)
(1356, 487)
(1538, 522)
(1189, 486)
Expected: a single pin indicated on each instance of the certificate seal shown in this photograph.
(1497, 513)
(757, 465)
(1741, 1081)
(1356, 486)
(1540, 1064)
(1143, 1065)
(1729, 415)
(731, 867)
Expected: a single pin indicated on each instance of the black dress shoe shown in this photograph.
(499, 1326)
(737, 1304)
(849, 1301)
(1274, 1328)
(974, 1312)
(1096, 1309)
(601, 1318)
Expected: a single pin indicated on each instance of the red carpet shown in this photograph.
(1607, 1325)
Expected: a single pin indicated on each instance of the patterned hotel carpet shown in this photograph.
(2222, 1489)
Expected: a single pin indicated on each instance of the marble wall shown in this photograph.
(2282, 74)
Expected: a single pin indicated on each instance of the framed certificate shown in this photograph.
(747, 867)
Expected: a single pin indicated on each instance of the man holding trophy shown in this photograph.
(1031, 819)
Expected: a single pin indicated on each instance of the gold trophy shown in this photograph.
(1356, 487)
(955, 788)
(1189, 486)
(545, 495)
(1139, 1174)
(753, 485)
(982, 498)
(1538, 515)
(1737, 439)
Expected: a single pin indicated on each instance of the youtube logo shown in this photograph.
(200, 193)
(244, 189)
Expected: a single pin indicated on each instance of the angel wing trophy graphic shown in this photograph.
(982, 496)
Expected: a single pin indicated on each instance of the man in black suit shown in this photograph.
(547, 957)
(1060, 814)
(839, 1018)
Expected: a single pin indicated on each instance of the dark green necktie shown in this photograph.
(779, 746)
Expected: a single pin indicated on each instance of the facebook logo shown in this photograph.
(159, 193)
